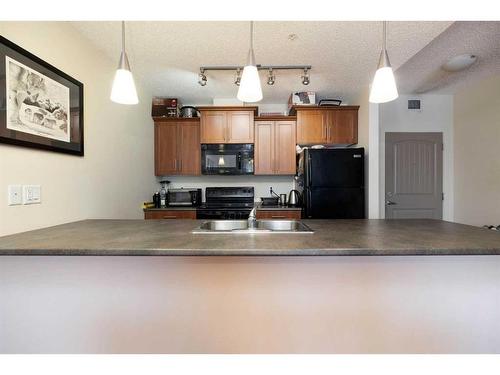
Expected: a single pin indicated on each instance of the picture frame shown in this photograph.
(40, 106)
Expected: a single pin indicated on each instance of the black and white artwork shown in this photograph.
(40, 106)
(36, 104)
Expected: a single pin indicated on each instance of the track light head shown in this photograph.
(271, 78)
(237, 80)
(202, 78)
(305, 78)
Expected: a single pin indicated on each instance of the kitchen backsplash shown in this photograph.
(261, 184)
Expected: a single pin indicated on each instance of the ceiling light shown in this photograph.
(123, 90)
(250, 90)
(202, 78)
(458, 63)
(305, 77)
(271, 78)
(237, 81)
(384, 87)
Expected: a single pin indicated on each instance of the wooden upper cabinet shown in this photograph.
(189, 148)
(311, 126)
(264, 147)
(275, 143)
(343, 127)
(213, 127)
(240, 127)
(177, 147)
(317, 125)
(165, 148)
(231, 125)
(285, 142)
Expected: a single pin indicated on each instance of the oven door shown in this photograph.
(227, 159)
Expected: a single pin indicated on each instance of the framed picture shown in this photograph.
(40, 106)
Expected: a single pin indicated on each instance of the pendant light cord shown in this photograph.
(123, 36)
(251, 35)
(384, 43)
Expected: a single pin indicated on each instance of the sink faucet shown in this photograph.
(252, 221)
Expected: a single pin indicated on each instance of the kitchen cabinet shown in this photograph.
(279, 214)
(332, 125)
(177, 147)
(227, 124)
(169, 214)
(275, 143)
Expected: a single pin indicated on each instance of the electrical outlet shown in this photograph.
(32, 194)
(15, 195)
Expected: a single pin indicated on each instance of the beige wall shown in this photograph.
(115, 175)
(476, 160)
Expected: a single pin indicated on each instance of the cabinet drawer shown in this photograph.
(170, 214)
(283, 215)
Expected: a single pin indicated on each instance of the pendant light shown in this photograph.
(384, 85)
(250, 90)
(123, 90)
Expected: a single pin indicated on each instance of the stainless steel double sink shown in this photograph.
(261, 226)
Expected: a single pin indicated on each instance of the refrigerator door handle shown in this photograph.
(308, 204)
(309, 170)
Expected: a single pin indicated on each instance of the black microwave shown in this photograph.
(184, 197)
(227, 159)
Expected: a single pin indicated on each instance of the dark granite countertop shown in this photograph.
(172, 208)
(331, 237)
(259, 207)
(278, 208)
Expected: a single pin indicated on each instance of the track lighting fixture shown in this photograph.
(237, 81)
(202, 80)
(305, 77)
(271, 77)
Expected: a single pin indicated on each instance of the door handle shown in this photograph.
(390, 203)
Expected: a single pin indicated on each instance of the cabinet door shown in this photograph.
(240, 127)
(165, 148)
(285, 142)
(213, 127)
(311, 126)
(343, 127)
(189, 148)
(264, 147)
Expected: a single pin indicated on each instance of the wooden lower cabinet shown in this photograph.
(170, 214)
(177, 147)
(279, 214)
(275, 143)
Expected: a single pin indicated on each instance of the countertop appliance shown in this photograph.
(227, 159)
(226, 203)
(333, 183)
(184, 197)
(189, 111)
(294, 198)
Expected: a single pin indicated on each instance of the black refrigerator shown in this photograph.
(333, 183)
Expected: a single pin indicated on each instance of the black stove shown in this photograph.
(226, 203)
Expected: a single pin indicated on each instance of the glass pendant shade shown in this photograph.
(250, 90)
(384, 87)
(123, 90)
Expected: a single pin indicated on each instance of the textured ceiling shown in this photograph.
(423, 73)
(166, 56)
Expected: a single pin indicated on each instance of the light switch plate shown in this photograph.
(31, 194)
(15, 195)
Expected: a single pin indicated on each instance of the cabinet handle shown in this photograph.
(180, 165)
(278, 217)
(170, 217)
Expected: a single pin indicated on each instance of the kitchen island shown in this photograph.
(330, 237)
(84, 288)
